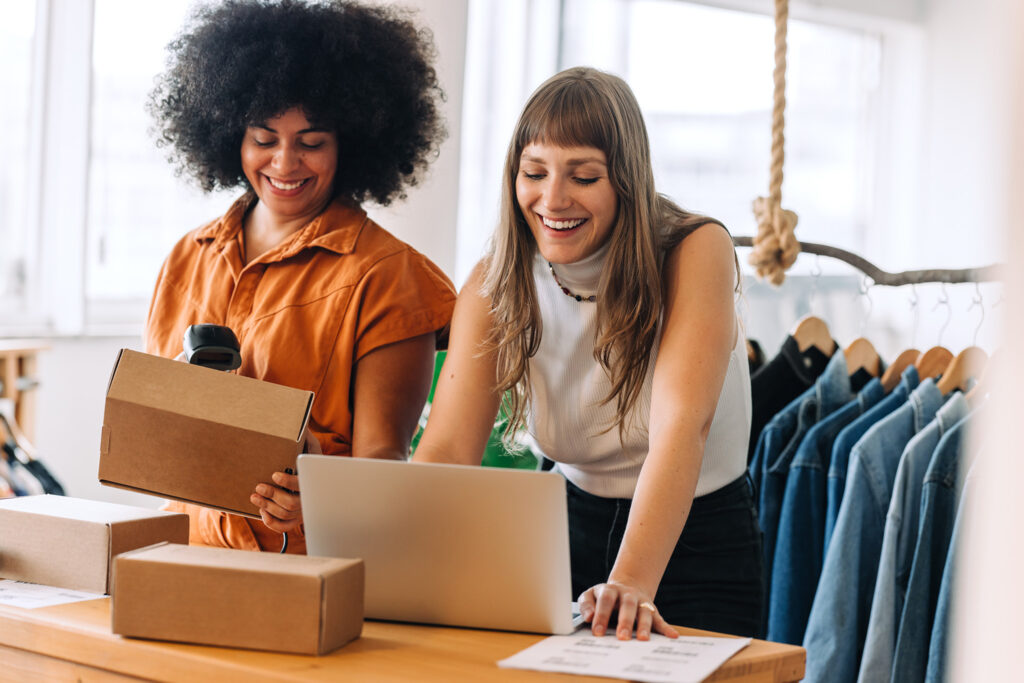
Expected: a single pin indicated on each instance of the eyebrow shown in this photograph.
(313, 129)
(571, 162)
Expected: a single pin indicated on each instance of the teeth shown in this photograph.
(285, 186)
(562, 225)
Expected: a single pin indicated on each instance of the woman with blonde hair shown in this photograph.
(605, 316)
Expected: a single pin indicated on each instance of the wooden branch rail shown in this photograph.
(878, 276)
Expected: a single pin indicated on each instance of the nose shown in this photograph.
(286, 158)
(555, 196)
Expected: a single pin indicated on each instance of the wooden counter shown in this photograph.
(74, 642)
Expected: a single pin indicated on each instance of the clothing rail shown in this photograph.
(880, 277)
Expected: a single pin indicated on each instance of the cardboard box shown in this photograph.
(198, 435)
(71, 542)
(238, 598)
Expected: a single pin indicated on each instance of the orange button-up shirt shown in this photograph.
(305, 312)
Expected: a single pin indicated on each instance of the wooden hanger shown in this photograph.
(932, 362)
(893, 373)
(812, 331)
(968, 364)
(861, 354)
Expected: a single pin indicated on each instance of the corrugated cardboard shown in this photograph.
(71, 542)
(238, 598)
(198, 435)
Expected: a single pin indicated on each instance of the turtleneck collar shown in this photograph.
(583, 277)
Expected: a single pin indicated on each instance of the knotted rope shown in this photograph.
(775, 246)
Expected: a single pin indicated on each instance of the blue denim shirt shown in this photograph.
(839, 615)
(799, 548)
(938, 646)
(899, 540)
(851, 434)
(939, 495)
(830, 391)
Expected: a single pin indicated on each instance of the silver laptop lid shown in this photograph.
(445, 544)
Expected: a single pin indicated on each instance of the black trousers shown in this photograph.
(714, 578)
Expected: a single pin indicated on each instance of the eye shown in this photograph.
(315, 145)
(263, 143)
(533, 176)
(586, 181)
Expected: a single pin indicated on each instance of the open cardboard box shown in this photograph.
(71, 542)
(238, 598)
(197, 435)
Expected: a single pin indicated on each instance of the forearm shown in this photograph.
(664, 495)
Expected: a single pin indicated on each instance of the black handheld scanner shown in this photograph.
(212, 346)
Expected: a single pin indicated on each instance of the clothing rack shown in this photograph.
(881, 277)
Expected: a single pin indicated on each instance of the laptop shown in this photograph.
(446, 544)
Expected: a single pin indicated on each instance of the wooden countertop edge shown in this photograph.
(87, 645)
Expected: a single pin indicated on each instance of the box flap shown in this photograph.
(212, 395)
(241, 560)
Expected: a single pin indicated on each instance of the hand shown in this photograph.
(598, 602)
(279, 503)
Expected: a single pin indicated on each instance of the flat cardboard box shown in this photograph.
(197, 435)
(238, 598)
(71, 542)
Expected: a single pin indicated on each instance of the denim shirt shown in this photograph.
(899, 540)
(839, 463)
(939, 495)
(839, 615)
(799, 547)
(830, 391)
(938, 646)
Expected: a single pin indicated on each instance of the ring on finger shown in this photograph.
(647, 604)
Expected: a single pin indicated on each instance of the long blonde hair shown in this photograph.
(584, 107)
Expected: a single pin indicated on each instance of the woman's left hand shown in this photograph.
(597, 604)
(279, 502)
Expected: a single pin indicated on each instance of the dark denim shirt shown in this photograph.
(790, 373)
(799, 548)
(831, 391)
(899, 540)
(939, 495)
(851, 434)
(838, 622)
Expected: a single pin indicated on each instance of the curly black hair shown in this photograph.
(365, 73)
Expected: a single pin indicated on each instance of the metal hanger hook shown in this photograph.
(944, 300)
(865, 291)
(977, 300)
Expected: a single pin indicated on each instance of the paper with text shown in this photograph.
(660, 660)
(31, 595)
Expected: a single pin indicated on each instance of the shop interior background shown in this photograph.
(900, 131)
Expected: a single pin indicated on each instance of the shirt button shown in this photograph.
(807, 362)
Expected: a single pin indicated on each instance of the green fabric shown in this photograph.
(495, 454)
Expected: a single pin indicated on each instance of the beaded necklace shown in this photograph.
(565, 290)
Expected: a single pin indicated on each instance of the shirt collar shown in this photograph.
(336, 229)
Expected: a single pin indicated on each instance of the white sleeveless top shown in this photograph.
(566, 419)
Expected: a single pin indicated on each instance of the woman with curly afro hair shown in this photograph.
(310, 109)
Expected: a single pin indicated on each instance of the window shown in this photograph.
(17, 31)
(137, 208)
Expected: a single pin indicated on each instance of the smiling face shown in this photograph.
(290, 164)
(567, 199)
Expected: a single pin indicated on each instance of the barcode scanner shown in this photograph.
(216, 347)
(212, 346)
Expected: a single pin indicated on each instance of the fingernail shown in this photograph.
(623, 634)
(642, 635)
(278, 477)
(263, 490)
(254, 499)
(599, 630)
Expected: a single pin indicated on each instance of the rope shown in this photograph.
(775, 246)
